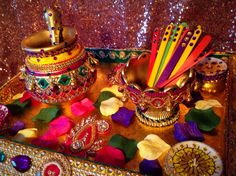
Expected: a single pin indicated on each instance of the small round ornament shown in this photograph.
(56, 165)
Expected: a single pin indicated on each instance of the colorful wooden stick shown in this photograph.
(191, 61)
(197, 33)
(155, 39)
(174, 38)
(160, 53)
(175, 57)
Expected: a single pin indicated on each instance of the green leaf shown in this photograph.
(128, 146)
(105, 95)
(47, 114)
(206, 120)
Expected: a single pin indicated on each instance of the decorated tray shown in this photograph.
(43, 161)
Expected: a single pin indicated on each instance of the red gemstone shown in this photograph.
(52, 169)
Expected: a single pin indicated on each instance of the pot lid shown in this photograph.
(55, 38)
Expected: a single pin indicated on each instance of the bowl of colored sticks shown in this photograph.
(157, 82)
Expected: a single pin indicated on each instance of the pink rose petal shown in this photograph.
(83, 107)
(26, 96)
(60, 126)
(47, 140)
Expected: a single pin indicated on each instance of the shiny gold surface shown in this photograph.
(41, 41)
(53, 20)
(213, 86)
(137, 70)
(216, 139)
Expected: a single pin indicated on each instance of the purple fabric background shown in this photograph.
(111, 24)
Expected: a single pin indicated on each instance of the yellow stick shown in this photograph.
(197, 33)
(172, 47)
(159, 55)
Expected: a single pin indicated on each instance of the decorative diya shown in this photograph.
(57, 69)
(193, 158)
(212, 73)
(157, 83)
(154, 107)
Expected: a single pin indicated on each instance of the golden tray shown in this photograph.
(223, 138)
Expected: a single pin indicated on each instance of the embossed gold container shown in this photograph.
(154, 107)
(57, 69)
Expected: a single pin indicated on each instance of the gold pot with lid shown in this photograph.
(57, 68)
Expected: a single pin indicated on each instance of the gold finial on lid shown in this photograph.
(53, 20)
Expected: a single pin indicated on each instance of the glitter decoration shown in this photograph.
(111, 24)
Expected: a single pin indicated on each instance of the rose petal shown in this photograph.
(47, 114)
(206, 120)
(26, 134)
(83, 107)
(214, 103)
(18, 96)
(60, 126)
(35, 102)
(111, 156)
(183, 110)
(124, 116)
(17, 107)
(105, 95)
(18, 125)
(110, 106)
(152, 147)
(150, 167)
(29, 132)
(128, 146)
(114, 90)
(187, 131)
(26, 96)
(47, 140)
(207, 104)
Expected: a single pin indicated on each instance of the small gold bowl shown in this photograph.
(211, 74)
(154, 107)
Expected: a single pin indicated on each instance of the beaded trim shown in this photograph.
(163, 118)
(70, 165)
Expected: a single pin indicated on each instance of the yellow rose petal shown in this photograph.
(113, 89)
(214, 103)
(152, 147)
(207, 104)
(147, 151)
(25, 134)
(18, 96)
(110, 106)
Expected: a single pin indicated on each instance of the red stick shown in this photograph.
(155, 41)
